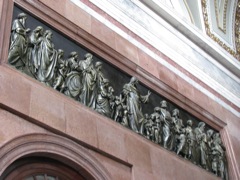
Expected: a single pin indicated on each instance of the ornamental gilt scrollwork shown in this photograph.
(206, 18)
(33, 52)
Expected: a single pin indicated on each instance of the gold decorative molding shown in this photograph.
(223, 29)
(234, 53)
(237, 28)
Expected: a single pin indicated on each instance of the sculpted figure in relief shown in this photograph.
(148, 128)
(167, 121)
(180, 143)
(144, 130)
(133, 100)
(201, 149)
(190, 141)
(100, 76)
(73, 77)
(209, 134)
(88, 93)
(17, 55)
(33, 50)
(103, 97)
(125, 118)
(117, 109)
(111, 99)
(47, 59)
(177, 128)
(156, 127)
(60, 72)
(219, 163)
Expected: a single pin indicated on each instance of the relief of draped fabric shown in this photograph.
(73, 84)
(189, 149)
(176, 132)
(219, 161)
(47, 59)
(18, 47)
(59, 80)
(89, 87)
(73, 79)
(201, 148)
(166, 119)
(34, 41)
(102, 102)
(133, 102)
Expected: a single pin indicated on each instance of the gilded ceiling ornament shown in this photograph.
(234, 53)
(237, 30)
(221, 17)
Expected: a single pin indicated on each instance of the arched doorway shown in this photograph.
(47, 156)
(41, 168)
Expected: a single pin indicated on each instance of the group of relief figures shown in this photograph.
(33, 53)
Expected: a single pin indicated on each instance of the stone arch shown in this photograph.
(56, 147)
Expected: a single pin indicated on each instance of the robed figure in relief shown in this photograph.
(47, 59)
(19, 42)
(88, 94)
(133, 101)
(166, 119)
(73, 76)
(33, 50)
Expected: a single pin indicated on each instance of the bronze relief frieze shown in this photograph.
(43, 53)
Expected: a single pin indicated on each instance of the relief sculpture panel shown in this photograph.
(48, 56)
